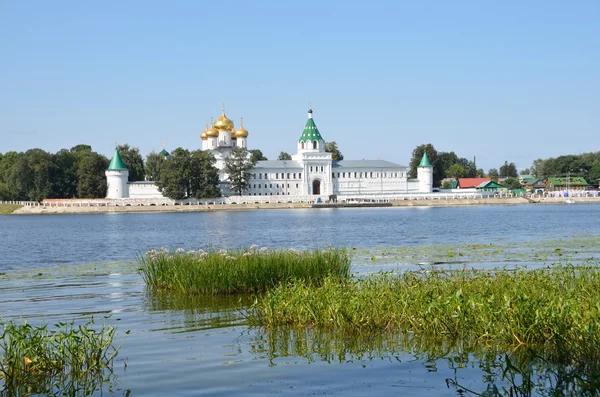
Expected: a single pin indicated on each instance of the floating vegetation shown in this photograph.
(540, 308)
(232, 272)
(71, 358)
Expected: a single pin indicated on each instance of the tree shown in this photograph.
(257, 155)
(525, 171)
(512, 183)
(43, 173)
(152, 167)
(331, 147)
(417, 155)
(133, 161)
(237, 166)
(91, 175)
(81, 149)
(455, 171)
(186, 174)
(284, 156)
(493, 173)
(509, 170)
(65, 181)
(447, 185)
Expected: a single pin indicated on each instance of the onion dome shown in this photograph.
(241, 132)
(203, 135)
(212, 132)
(223, 123)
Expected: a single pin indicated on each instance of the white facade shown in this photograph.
(311, 172)
(117, 186)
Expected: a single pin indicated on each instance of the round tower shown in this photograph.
(116, 178)
(425, 174)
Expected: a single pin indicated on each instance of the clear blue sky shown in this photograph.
(499, 80)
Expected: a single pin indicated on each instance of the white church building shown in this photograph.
(310, 173)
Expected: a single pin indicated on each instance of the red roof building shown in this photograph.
(471, 183)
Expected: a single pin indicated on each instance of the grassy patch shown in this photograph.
(551, 306)
(249, 271)
(8, 208)
(41, 360)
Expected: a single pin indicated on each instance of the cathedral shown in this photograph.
(311, 172)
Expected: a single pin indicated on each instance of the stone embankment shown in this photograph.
(255, 206)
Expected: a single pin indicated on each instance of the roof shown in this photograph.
(489, 185)
(425, 160)
(311, 132)
(283, 164)
(572, 181)
(528, 180)
(366, 164)
(164, 153)
(116, 164)
(464, 183)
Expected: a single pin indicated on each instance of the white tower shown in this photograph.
(425, 174)
(116, 178)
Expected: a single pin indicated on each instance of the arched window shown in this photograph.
(314, 144)
(302, 144)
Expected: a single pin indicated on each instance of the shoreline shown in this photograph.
(38, 210)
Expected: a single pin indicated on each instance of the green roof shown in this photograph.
(573, 181)
(164, 153)
(425, 160)
(116, 163)
(311, 132)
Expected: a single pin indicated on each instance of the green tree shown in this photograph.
(65, 180)
(43, 173)
(257, 155)
(91, 178)
(284, 156)
(81, 149)
(133, 161)
(512, 183)
(447, 185)
(153, 163)
(455, 171)
(237, 166)
(493, 173)
(525, 171)
(204, 177)
(332, 147)
(509, 170)
(186, 174)
(20, 178)
(417, 155)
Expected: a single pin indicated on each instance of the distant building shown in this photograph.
(311, 172)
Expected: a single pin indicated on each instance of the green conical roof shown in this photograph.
(164, 153)
(116, 163)
(311, 132)
(425, 160)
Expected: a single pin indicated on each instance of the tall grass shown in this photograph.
(249, 271)
(40, 360)
(555, 306)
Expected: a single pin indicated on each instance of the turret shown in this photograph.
(311, 140)
(425, 174)
(116, 178)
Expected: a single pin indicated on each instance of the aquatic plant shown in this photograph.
(36, 359)
(246, 271)
(542, 307)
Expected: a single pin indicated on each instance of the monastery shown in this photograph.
(311, 171)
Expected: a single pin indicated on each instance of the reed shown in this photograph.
(40, 360)
(248, 271)
(554, 306)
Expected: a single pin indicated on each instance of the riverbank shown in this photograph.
(8, 208)
(28, 210)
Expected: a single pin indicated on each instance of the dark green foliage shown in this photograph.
(133, 161)
(257, 155)
(493, 173)
(332, 148)
(90, 175)
(508, 170)
(512, 183)
(65, 181)
(284, 156)
(152, 166)
(586, 165)
(186, 174)
(237, 166)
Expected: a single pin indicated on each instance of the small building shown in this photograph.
(490, 186)
(566, 183)
(471, 183)
(531, 183)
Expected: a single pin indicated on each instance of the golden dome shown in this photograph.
(212, 132)
(203, 135)
(241, 133)
(223, 123)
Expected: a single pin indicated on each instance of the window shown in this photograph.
(321, 168)
(333, 175)
(253, 176)
(338, 175)
(288, 175)
(302, 145)
(276, 176)
(259, 176)
(259, 185)
(294, 175)
(271, 186)
(278, 186)
(355, 174)
(311, 168)
(371, 174)
(288, 185)
(255, 185)
(314, 144)
(296, 186)
(300, 176)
